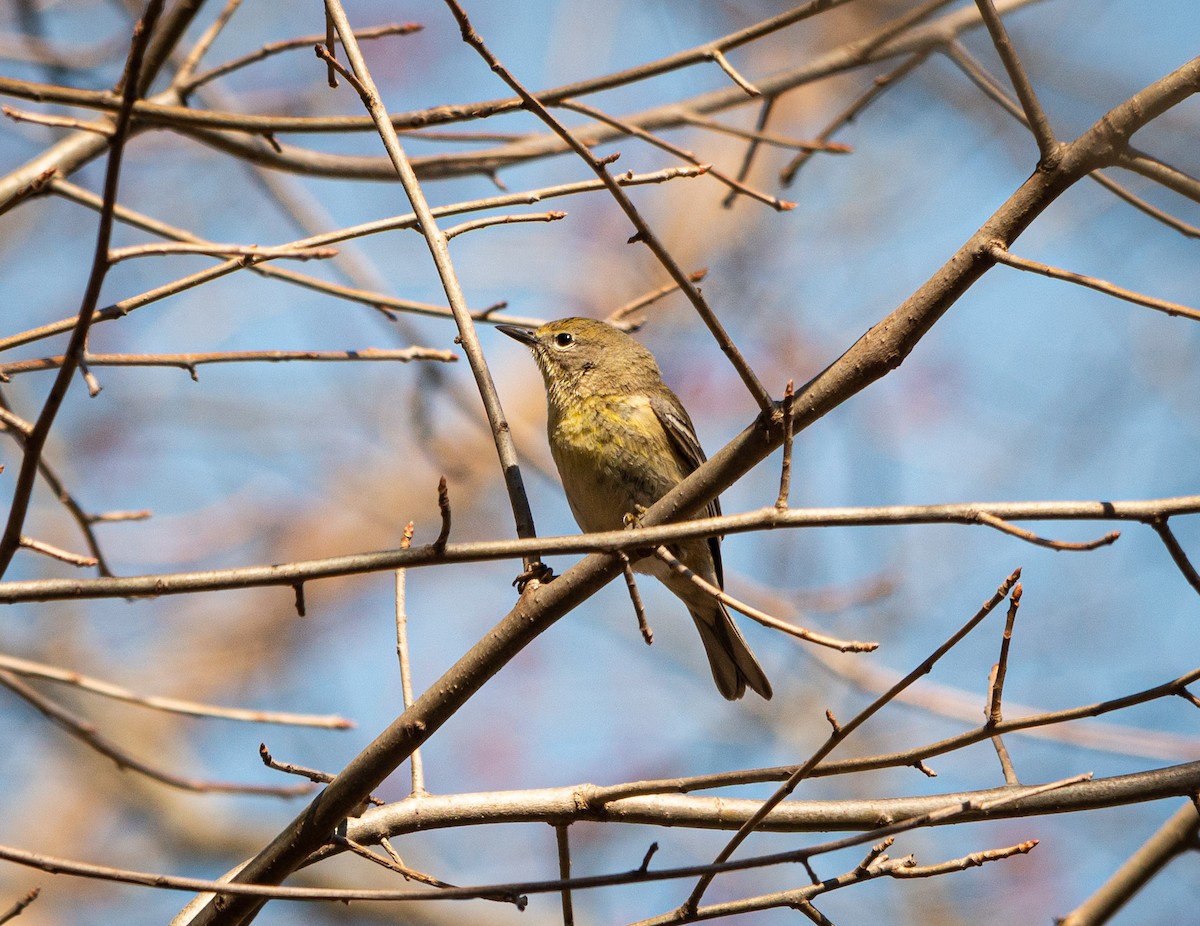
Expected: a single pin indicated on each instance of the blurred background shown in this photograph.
(1028, 389)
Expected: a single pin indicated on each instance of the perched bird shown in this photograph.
(621, 439)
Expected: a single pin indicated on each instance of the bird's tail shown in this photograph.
(734, 667)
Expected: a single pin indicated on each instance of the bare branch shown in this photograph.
(190, 361)
(1173, 838)
(606, 542)
(635, 597)
(87, 733)
(15, 910)
(36, 440)
(994, 712)
(843, 646)
(1034, 113)
(416, 763)
(1002, 254)
(105, 689)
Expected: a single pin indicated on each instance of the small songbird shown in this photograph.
(621, 439)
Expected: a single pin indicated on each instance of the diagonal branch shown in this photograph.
(1038, 123)
(35, 442)
(1173, 838)
(439, 250)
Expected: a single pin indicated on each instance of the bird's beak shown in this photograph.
(524, 335)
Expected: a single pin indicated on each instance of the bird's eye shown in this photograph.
(564, 339)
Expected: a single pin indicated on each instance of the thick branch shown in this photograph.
(574, 804)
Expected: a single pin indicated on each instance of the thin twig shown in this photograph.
(187, 67)
(87, 733)
(874, 854)
(758, 136)
(109, 517)
(1036, 116)
(1079, 546)
(65, 556)
(769, 518)
(443, 499)
(974, 860)
(842, 646)
(396, 864)
(316, 776)
(723, 63)
(274, 48)
(806, 907)
(456, 230)
(1178, 554)
(336, 67)
(780, 205)
(994, 711)
(331, 45)
(620, 317)
(1161, 173)
(851, 112)
(1187, 229)
(914, 17)
(993, 715)
(1006, 763)
(189, 362)
(639, 609)
(105, 689)
(757, 139)
(1004, 256)
(100, 127)
(20, 429)
(416, 765)
(15, 910)
(564, 871)
(785, 470)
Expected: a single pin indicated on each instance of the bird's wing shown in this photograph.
(682, 434)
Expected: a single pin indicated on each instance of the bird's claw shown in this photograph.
(534, 572)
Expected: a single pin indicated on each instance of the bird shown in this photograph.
(621, 440)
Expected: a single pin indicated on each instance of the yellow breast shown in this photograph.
(612, 455)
